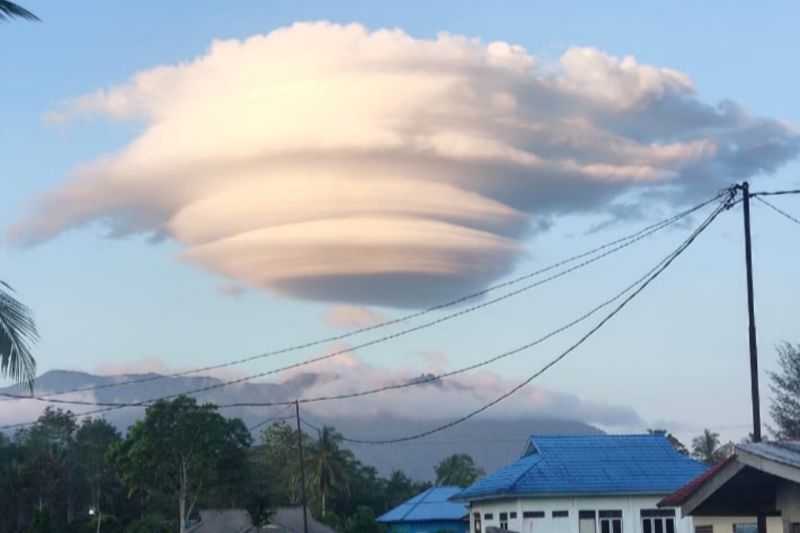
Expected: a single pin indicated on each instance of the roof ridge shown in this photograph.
(416, 504)
(525, 472)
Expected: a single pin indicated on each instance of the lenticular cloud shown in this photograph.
(333, 163)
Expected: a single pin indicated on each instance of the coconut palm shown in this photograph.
(328, 466)
(706, 447)
(17, 333)
(10, 10)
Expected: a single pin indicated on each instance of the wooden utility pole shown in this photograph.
(751, 316)
(303, 467)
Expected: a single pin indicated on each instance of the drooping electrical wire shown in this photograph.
(110, 406)
(610, 247)
(778, 210)
(49, 399)
(724, 205)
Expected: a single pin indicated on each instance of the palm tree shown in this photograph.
(17, 333)
(9, 10)
(706, 447)
(328, 469)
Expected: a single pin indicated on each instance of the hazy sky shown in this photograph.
(195, 182)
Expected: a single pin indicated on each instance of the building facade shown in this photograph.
(428, 512)
(584, 484)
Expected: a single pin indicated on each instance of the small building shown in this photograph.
(290, 520)
(223, 521)
(585, 484)
(758, 478)
(428, 512)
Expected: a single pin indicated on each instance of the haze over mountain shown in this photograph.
(491, 439)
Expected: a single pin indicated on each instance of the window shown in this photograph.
(488, 516)
(610, 521)
(710, 529)
(512, 515)
(658, 520)
(560, 514)
(742, 528)
(794, 527)
(586, 522)
(476, 518)
(533, 514)
(504, 521)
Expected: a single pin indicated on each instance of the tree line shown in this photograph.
(61, 475)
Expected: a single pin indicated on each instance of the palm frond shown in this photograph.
(9, 10)
(17, 334)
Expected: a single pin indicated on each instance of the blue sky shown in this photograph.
(677, 357)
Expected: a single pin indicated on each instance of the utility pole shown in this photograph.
(751, 316)
(303, 467)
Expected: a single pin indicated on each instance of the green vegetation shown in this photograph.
(181, 457)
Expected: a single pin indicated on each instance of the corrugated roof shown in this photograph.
(680, 496)
(786, 452)
(431, 505)
(591, 464)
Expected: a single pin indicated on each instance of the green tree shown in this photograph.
(94, 440)
(706, 448)
(673, 440)
(51, 465)
(177, 450)
(785, 408)
(282, 462)
(10, 10)
(328, 466)
(17, 331)
(458, 469)
(362, 521)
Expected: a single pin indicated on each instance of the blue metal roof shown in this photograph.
(431, 505)
(787, 452)
(590, 464)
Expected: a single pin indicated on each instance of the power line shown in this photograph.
(438, 377)
(610, 247)
(109, 406)
(775, 193)
(609, 251)
(778, 210)
(724, 205)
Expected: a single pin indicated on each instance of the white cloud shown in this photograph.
(352, 317)
(451, 397)
(333, 163)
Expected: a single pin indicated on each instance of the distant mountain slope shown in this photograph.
(493, 441)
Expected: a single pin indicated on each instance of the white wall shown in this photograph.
(629, 505)
(789, 503)
(724, 524)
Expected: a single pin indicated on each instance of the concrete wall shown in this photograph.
(629, 505)
(725, 524)
(788, 500)
(452, 526)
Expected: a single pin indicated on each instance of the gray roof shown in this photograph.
(290, 519)
(224, 521)
(787, 452)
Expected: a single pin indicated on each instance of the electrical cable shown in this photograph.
(723, 206)
(109, 406)
(778, 210)
(626, 240)
(421, 381)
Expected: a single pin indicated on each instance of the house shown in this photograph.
(428, 512)
(761, 477)
(223, 521)
(585, 484)
(290, 520)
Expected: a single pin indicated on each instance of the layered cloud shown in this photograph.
(333, 163)
(352, 317)
(448, 398)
